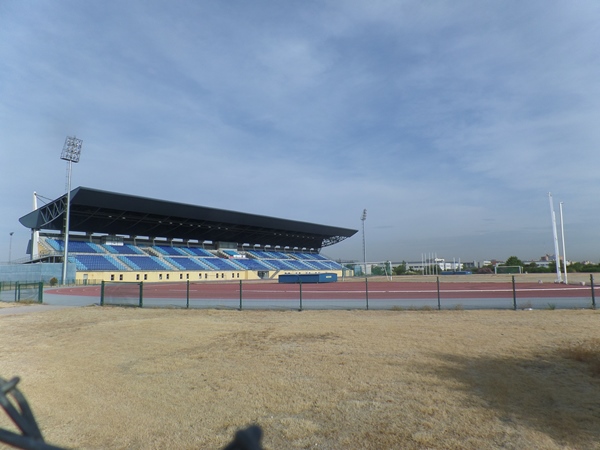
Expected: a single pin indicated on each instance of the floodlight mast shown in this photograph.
(363, 218)
(70, 153)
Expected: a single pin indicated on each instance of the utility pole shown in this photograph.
(10, 247)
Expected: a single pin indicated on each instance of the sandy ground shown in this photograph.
(143, 378)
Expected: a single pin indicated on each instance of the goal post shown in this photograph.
(498, 270)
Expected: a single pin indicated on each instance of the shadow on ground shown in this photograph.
(549, 392)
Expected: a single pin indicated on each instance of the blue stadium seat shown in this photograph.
(185, 263)
(252, 264)
(145, 262)
(97, 262)
(220, 263)
(197, 251)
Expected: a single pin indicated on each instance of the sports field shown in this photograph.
(116, 377)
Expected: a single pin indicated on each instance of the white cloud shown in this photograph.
(449, 122)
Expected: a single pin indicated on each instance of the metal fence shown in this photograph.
(22, 292)
(431, 294)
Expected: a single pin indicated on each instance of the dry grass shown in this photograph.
(130, 378)
(587, 352)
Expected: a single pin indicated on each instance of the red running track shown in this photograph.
(340, 290)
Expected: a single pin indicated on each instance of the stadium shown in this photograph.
(112, 236)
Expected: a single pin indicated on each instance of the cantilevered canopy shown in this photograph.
(102, 212)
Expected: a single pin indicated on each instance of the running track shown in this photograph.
(383, 290)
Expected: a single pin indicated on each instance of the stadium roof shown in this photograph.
(100, 212)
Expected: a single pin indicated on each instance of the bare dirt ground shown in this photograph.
(151, 379)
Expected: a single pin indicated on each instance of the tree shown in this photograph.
(401, 269)
(378, 270)
(513, 261)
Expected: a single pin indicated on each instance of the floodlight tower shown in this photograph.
(70, 153)
(363, 218)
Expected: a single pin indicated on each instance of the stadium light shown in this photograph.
(70, 153)
(363, 218)
(10, 247)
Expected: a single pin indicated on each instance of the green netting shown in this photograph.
(121, 294)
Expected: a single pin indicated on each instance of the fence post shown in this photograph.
(514, 293)
(240, 295)
(141, 294)
(17, 292)
(102, 293)
(593, 294)
(300, 279)
(187, 295)
(41, 292)
(438, 293)
(367, 291)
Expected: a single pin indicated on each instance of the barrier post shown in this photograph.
(102, 293)
(593, 294)
(438, 294)
(141, 294)
(514, 293)
(367, 291)
(240, 295)
(187, 295)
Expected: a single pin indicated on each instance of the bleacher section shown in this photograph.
(145, 263)
(97, 262)
(196, 251)
(278, 264)
(186, 263)
(252, 264)
(166, 250)
(123, 249)
(75, 246)
(220, 263)
(89, 256)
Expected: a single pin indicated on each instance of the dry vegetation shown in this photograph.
(130, 378)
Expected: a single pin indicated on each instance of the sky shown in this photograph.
(449, 122)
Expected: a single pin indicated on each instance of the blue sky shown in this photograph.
(448, 121)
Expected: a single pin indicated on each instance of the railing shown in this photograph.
(368, 294)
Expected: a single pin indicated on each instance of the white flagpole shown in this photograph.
(556, 252)
(562, 235)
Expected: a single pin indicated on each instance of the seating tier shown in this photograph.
(97, 262)
(145, 262)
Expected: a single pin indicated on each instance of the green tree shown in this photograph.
(513, 261)
(378, 270)
(401, 269)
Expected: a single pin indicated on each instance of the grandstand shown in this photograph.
(120, 237)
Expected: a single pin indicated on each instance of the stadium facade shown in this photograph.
(121, 237)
